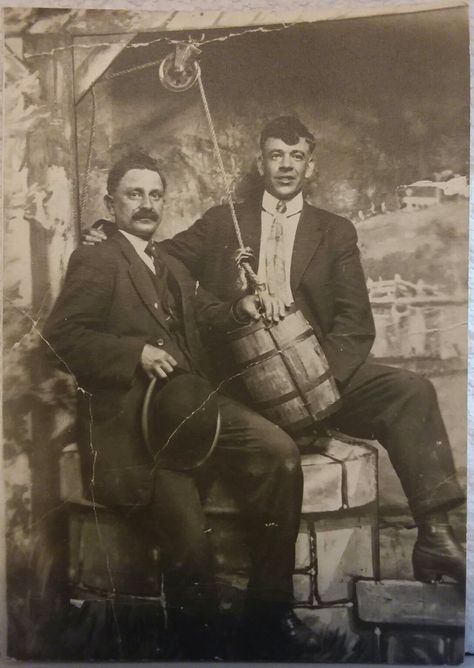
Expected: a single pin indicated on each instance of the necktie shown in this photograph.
(152, 250)
(275, 258)
(161, 270)
(281, 206)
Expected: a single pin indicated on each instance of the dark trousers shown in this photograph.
(400, 410)
(261, 466)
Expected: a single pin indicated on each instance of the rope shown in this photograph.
(220, 162)
(85, 185)
(250, 274)
(114, 75)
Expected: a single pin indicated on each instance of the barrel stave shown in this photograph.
(268, 380)
(290, 328)
(304, 364)
(252, 347)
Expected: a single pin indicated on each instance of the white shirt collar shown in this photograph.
(138, 243)
(293, 206)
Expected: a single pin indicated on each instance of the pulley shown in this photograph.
(180, 70)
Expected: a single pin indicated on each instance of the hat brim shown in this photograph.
(180, 421)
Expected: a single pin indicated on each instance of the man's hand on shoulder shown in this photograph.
(271, 307)
(157, 362)
(101, 230)
(93, 236)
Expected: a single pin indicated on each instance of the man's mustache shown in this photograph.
(145, 213)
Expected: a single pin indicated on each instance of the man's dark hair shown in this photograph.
(137, 160)
(287, 128)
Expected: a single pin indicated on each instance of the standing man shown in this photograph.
(125, 315)
(310, 256)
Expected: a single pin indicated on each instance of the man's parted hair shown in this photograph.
(137, 160)
(287, 128)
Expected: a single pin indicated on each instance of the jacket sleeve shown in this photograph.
(214, 316)
(351, 336)
(76, 331)
(189, 246)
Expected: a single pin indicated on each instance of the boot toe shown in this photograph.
(437, 553)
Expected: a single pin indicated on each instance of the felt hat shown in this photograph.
(180, 421)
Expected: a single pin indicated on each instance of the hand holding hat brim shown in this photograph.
(180, 421)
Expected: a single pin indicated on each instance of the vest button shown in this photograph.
(160, 342)
(155, 305)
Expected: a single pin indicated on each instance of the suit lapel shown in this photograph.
(175, 270)
(173, 275)
(140, 277)
(250, 221)
(307, 239)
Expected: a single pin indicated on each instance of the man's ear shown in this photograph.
(260, 164)
(109, 203)
(309, 168)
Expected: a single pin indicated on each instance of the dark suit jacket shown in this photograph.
(327, 280)
(104, 316)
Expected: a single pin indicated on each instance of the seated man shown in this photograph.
(314, 261)
(125, 315)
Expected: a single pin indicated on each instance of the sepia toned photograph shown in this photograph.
(235, 334)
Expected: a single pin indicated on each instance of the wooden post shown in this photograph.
(51, 163)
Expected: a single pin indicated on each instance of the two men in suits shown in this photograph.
(318, 267)
(127, 313)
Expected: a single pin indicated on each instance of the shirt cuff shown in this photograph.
(239, 319)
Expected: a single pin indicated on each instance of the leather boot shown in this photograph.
(277, 635)
(193, 639)
(437, 552)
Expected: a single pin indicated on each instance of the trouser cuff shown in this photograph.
(429, 510)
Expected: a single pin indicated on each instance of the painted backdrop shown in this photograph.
(387, 98)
